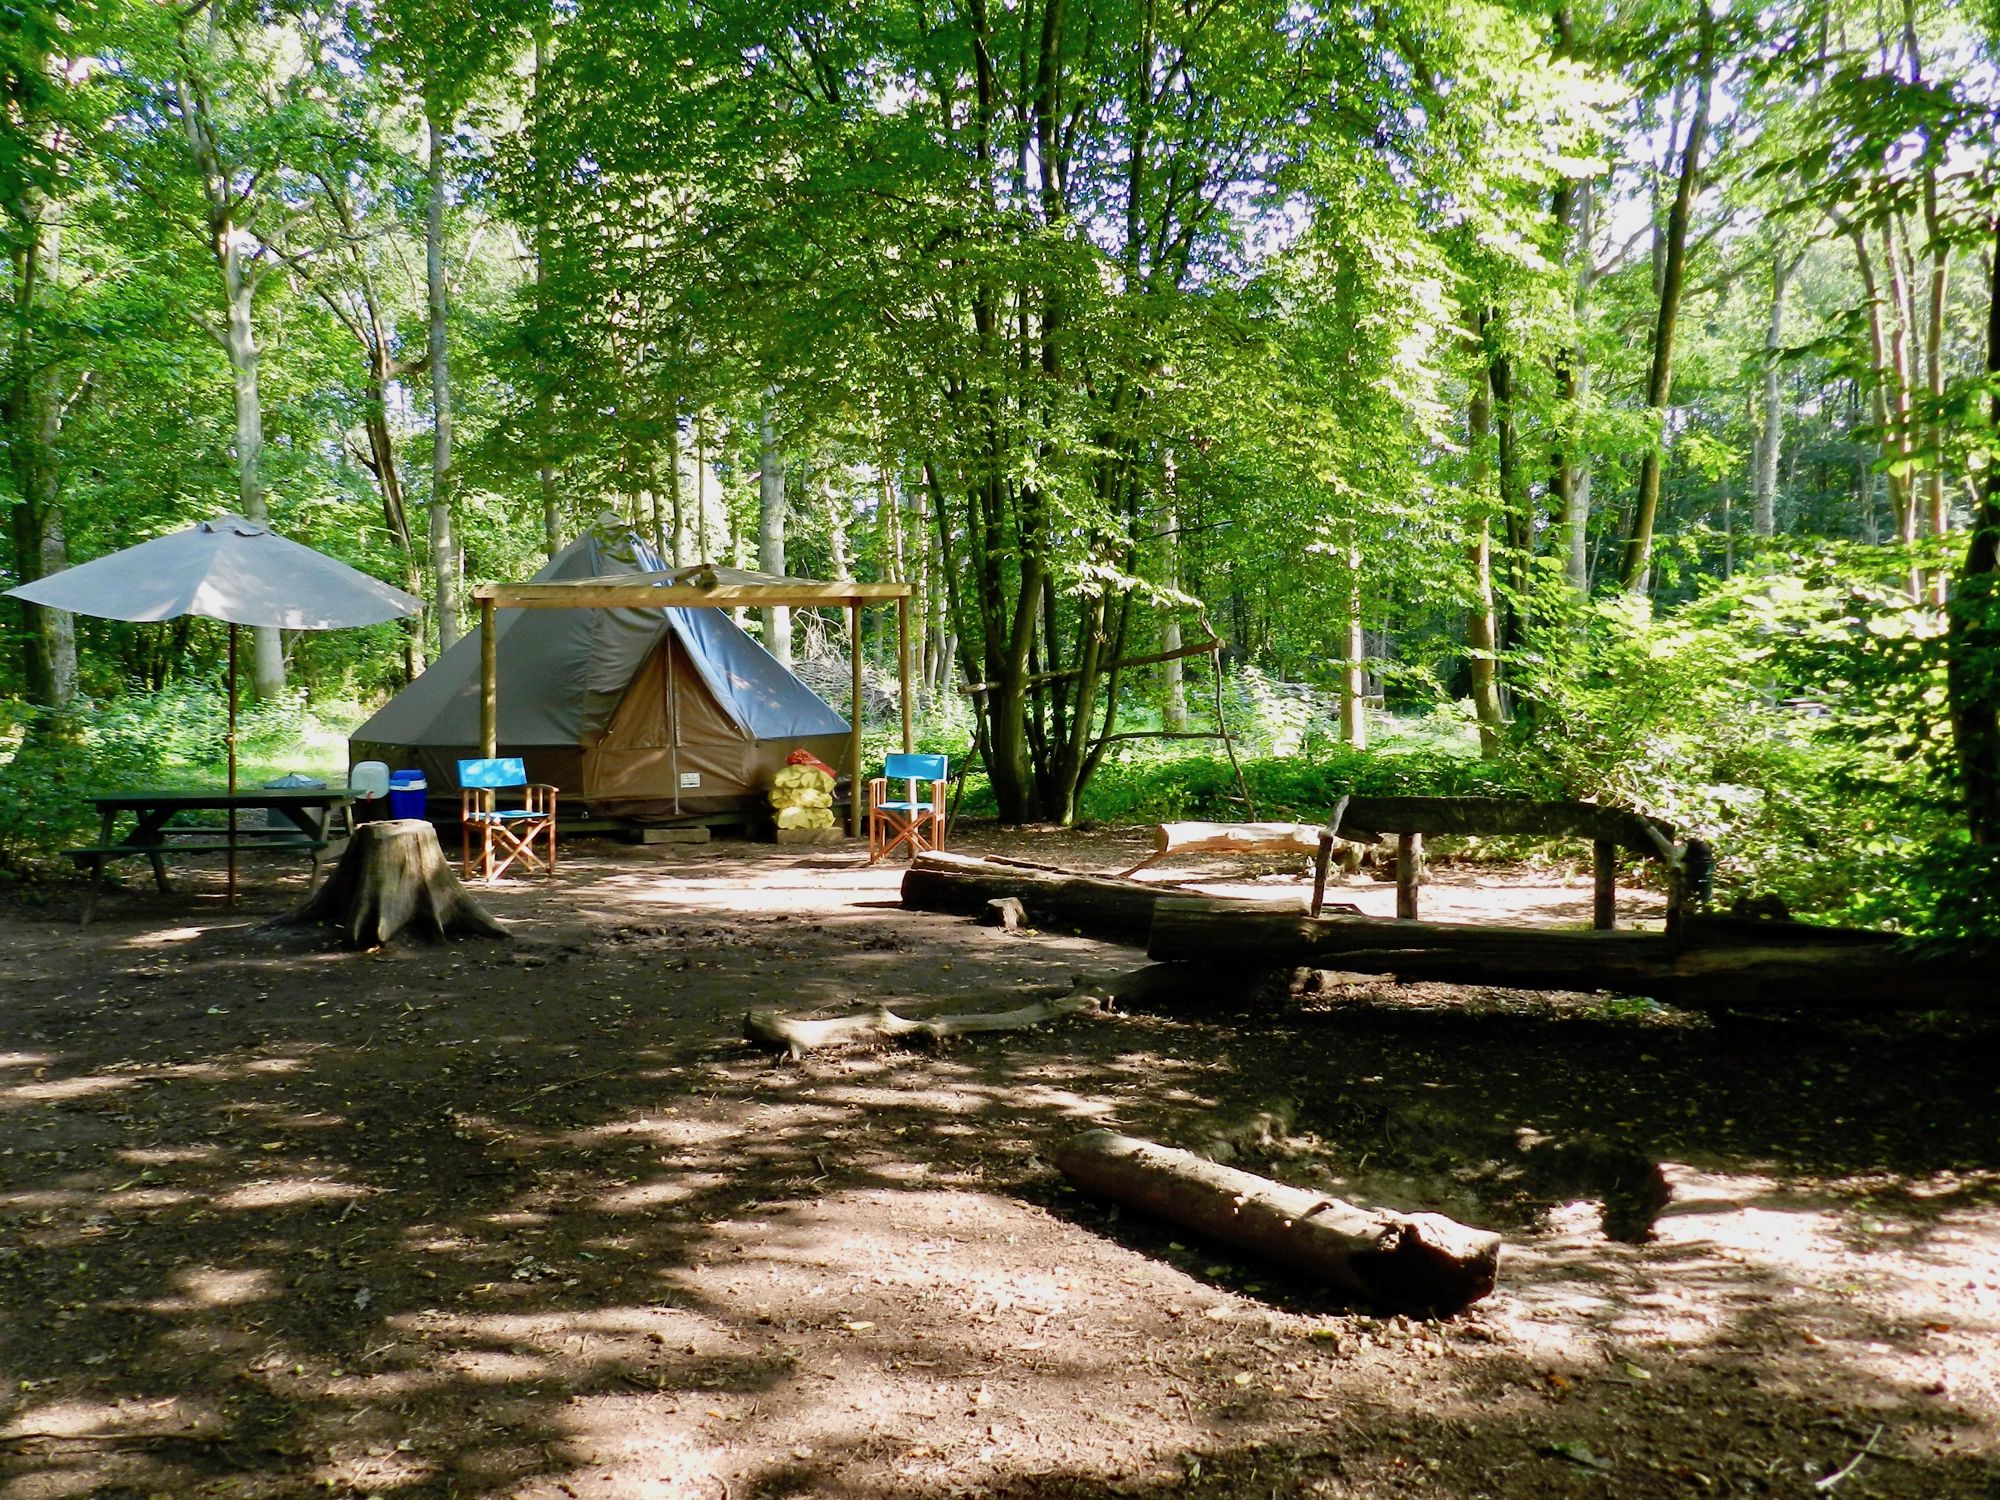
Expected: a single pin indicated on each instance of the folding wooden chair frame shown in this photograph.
(504, 835)
(917, 822)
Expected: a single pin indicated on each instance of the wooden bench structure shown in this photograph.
(1612, 832)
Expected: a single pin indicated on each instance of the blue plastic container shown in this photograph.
(408, 791)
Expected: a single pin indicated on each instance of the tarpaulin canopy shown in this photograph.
(637, 710)
(709, 586)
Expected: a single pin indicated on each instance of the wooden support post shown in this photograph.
(1324, 859)
(1604, 895)
(489, 683)
(1409, 874)
(232, 765)
(855, 781)
(903, 666)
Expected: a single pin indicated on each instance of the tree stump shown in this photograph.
(393, 875)
(1007, 913)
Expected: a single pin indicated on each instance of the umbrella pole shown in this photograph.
(232, 767)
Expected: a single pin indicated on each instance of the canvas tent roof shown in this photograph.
(563, 672)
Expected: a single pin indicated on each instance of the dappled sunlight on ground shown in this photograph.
(531, 1220)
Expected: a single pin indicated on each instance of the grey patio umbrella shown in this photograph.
(229, 569)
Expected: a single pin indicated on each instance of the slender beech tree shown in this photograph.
(228, 120)
(443, 52)
(1636, 570)
(1973, 662)
(39, 136)
(771, 525)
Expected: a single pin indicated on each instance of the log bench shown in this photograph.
(1613, 834)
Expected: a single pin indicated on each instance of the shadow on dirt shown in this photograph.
(488, 1219)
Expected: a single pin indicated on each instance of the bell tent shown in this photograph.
(642, 713)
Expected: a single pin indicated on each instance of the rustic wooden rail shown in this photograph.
(1610, 830)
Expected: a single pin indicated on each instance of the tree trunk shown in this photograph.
(923, 584)
(1636, 574)
(1896, 478)
(389, 484)
(1514, 512)
(1173, 680)
(444, 552)
(835, 507)
(393, 875)
(1099, 906)
(1573, 467)
(1482, 635)
(1973, 646)
(771, 528)
(1770, 435)
(33, 418)
(1901, 438)
(1354, 662)
(545, 394)
(1118, 910)
(1414, 1263)
(267, 651)
(700, 547)
(239, 340)
(1228, 838)
(676, 480)
(1938, 255)
(370, 326)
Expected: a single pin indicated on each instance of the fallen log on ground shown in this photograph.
(798, 1035)
(393, 876)
(1095, 905)
(1415, 1263)
(1727, 967)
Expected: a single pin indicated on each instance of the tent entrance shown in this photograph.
(672, 748)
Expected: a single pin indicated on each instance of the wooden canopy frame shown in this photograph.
(708, 588)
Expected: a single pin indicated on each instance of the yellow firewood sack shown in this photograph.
(805, 817)
(801, 778)
(800, 797)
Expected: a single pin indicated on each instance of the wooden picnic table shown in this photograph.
(319, 816)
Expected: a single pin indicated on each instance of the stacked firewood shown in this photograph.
(802, 792)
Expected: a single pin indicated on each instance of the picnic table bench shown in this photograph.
(319, 818)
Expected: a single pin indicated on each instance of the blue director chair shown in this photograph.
(915, 819)
(503, 834)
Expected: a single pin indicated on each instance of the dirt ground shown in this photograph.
(531, 1220)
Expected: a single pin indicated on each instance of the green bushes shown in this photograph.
(48, 770)
(1300, 788)
(176, 736)
(1795, 719)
